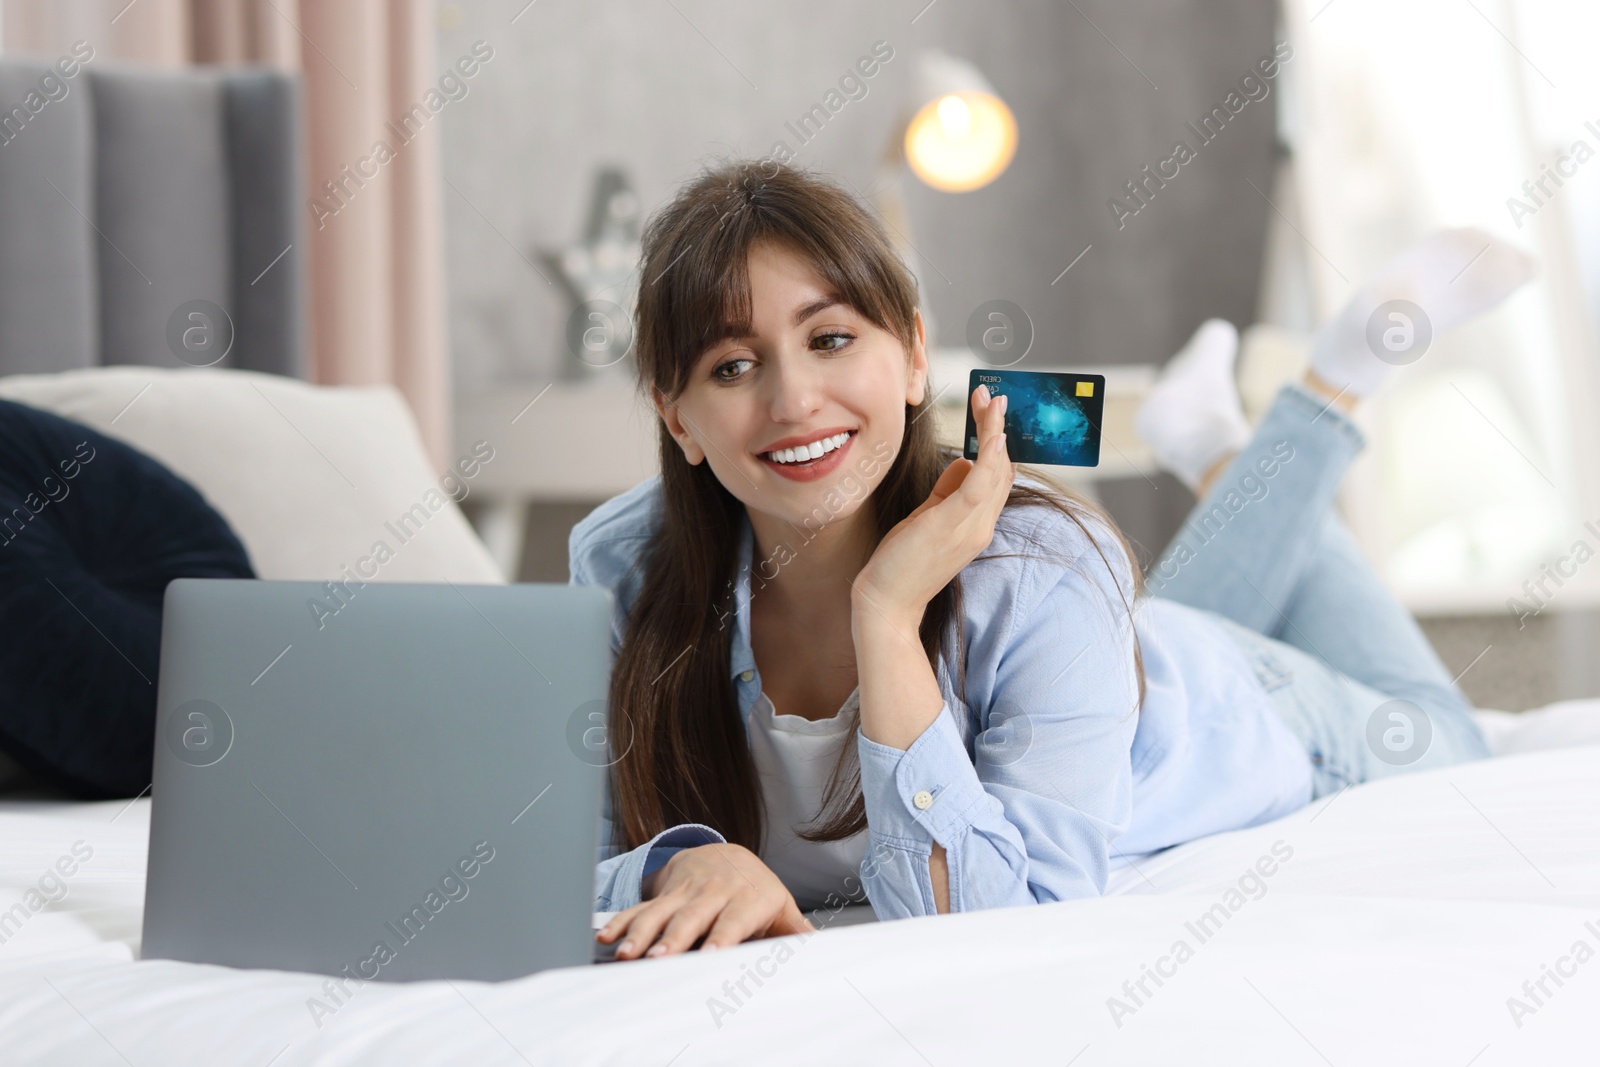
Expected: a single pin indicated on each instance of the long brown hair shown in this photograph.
(689, 759)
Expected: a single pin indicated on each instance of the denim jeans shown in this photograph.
(1347, 666)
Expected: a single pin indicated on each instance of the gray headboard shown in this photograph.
(127, 193)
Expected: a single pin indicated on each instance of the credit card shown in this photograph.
(1051, 418)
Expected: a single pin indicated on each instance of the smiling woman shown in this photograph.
(951, 694)
(780, 341)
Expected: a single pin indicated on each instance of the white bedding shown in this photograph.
(1408, 913)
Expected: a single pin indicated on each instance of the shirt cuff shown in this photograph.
(650, 856)
(921, 794)
(658, 857)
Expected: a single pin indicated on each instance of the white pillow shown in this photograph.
(313, 479)
(1564, 724)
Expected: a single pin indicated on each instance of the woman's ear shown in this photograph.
(675, 426)
(917, 380)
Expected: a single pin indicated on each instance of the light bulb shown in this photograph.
(955, 117)
(961, 141)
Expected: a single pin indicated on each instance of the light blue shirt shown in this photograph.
(1048, 775)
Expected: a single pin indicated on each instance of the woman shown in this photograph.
(848, 663)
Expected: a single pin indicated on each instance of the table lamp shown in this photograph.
(962, 135)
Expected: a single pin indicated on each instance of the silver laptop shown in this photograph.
(384, 781)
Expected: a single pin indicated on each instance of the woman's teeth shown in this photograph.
(808, 452)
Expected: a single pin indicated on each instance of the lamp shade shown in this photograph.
(962, 135)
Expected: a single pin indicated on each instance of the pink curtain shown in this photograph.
(376, 278)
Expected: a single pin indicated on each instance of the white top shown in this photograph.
(795, 757)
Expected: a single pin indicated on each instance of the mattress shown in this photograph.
(1448, 917)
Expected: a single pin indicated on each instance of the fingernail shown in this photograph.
(656, 950)
(1003, 404)
(710, 946)
(626, 946)
(983, 391)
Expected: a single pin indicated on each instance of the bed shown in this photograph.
(1421, 919)
(1410, 920)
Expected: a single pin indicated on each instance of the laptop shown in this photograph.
(384, 781)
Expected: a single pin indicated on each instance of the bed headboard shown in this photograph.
(131, 197)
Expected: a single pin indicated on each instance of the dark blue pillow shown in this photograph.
(91, 532)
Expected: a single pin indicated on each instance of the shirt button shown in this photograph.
(923, 800)
(747, 675)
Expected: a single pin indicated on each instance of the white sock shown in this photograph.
(1451, 277)
(1192, 417)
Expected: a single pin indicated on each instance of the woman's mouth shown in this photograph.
(811, 459)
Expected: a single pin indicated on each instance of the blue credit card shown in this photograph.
(1051, 418)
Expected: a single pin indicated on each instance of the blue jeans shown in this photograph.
(1347, 666)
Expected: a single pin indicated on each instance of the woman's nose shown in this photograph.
(796, 390)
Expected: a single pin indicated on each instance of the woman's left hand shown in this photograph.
(946, 532)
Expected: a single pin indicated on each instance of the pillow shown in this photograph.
(314, 479)
(12, 776)
(1563, 724)
(91, 532)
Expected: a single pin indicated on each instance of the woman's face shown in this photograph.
(814, 377)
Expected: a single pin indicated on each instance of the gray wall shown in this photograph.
(1099, 89)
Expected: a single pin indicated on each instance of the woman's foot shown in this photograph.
(1192, 420)
(1426, 290)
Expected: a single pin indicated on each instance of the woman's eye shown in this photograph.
(841, 338)
(729, 370)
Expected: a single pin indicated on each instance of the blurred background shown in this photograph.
(458, 188)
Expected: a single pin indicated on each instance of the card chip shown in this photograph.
(1086, 389)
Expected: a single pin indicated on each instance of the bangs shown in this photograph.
(702, 294)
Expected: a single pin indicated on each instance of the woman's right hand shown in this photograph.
(723, 891)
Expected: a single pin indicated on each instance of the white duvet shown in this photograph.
(1450, 917)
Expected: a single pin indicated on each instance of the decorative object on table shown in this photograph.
(600, 277)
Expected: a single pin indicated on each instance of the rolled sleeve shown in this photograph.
(955, 811)
(1029, 812)
(937, 765)
(617, 878)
